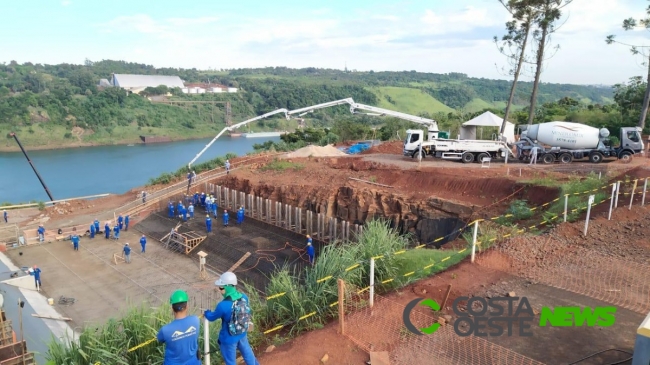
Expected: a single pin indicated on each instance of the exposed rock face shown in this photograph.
(427, 219)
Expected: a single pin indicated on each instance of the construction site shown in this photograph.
(331, 197)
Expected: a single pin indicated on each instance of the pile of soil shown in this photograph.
(393, 147)
(317, 151)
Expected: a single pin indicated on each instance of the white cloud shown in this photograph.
(453, 40)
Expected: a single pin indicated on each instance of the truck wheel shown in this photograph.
(481, 156)
(417, 153)
(566, 158)
(625, 157)
(467, 157)
(548, 158)
(596, 157)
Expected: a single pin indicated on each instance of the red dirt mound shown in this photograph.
(392, 147)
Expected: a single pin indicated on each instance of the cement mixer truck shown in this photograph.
(566, 142)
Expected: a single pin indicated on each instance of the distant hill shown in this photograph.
(61, 105)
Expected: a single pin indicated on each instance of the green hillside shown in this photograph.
(61, 105)
(408, 100)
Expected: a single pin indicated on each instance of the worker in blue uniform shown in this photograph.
(92, 231)
(75, 239)
(170, 207)
(120, 222)
(214, 207)
(96, 223)
(143, 242)
(208, 223)
(126, 223)
(179, 209)
(240, 215)
(184, 213)
(311, 253)
(190, 209)
(107, 230)
(116, 232)
(226, 218)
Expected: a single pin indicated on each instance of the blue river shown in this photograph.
(83, 171)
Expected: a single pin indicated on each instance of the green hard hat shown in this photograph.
(178, 296)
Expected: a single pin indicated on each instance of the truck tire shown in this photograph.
(596, 157)
(625, 156)
(417, 152)
(548, 158)
(481, 156)
(566, 158)
(467, 157)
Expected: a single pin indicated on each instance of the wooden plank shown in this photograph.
(241, 261)
(48, 317)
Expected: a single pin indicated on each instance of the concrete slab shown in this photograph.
(379, 358)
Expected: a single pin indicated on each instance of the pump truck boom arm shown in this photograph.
(285, 111)
(432, 124)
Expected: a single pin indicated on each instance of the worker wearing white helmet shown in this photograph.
(234, 326)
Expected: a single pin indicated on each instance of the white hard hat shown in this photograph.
(227, 278)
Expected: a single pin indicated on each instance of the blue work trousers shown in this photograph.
(229, 352)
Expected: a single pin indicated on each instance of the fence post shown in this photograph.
(645, 187)
(632, 195)
(611, 202)
(591, 201)
(341, 285)
(206, 341)
(566, 205)
(618, 191)
(372, 282)
(474, 240)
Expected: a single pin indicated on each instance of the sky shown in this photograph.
(437, 36)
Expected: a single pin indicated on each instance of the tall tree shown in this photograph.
(550, 12)
(513, 43)
(642, 50)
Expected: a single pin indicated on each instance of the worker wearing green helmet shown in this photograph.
(181, 336)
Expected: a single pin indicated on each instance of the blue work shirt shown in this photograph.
(208, 221)
(116, 229)
(181, 339)
(310, 250)
(92, 228)
(143, 241)
(75, 239)
(126, 220)
(120, 219)
(224, 311)
(41, 230)
(191, 209)
(37, 274)
(127, 250)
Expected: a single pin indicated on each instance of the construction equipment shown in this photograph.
(32, 165)
(374, 111)
(570, 141)
(466, 150)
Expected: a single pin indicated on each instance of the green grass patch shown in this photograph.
(408, 100)
(281, 165)
(425, 262)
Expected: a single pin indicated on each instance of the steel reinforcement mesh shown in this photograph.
(382, 329)
(550, 261)
(225, 247)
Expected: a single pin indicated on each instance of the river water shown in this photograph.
(75, 172)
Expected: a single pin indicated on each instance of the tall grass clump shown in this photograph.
(579, 185)
(305, 294)
(108, 343)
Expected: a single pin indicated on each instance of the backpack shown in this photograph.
(240, 318)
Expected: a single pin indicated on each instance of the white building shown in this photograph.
(232, 89)
(137, 83)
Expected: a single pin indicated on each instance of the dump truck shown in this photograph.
(565, 142)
